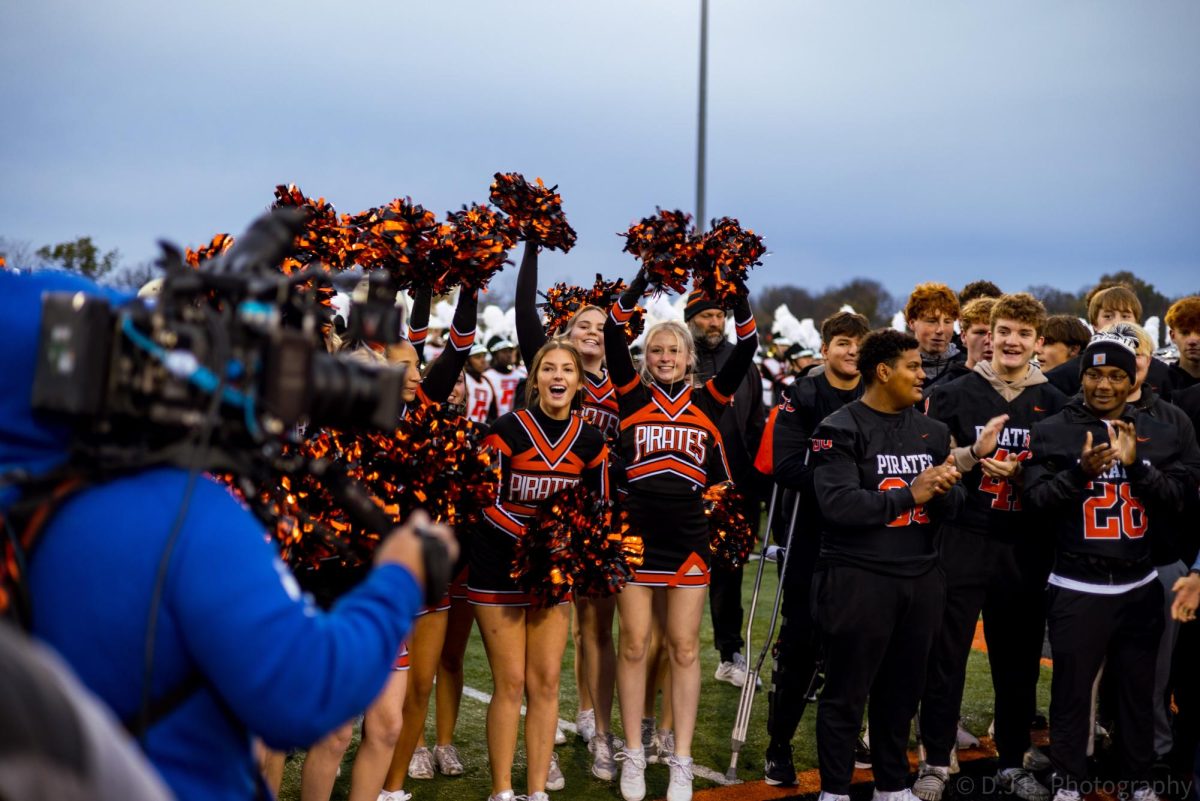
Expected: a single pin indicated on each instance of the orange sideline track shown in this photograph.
(809, 782)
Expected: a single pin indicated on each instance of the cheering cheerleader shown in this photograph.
(595, 656)
(429, 629)
(541, 449)
(672, 451)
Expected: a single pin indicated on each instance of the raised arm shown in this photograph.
(418, 321)
(616, 353)
(439, 382)
(733, 373)
(530, 333)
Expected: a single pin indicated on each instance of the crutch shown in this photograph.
(742, 721)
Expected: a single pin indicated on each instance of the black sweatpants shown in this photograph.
(725, 593)
(1084, 629)
(877, 632)
(1006, 582)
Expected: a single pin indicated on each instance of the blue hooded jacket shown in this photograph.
(272, 664)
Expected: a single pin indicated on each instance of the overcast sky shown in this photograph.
(1026, 142)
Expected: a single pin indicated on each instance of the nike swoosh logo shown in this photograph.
(1039, 409)
(1143, 439)
(924, 436)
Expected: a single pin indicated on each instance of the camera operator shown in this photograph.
(229, 647)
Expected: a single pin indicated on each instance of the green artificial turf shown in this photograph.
(711, 748)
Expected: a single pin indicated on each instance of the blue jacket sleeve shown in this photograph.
(289, 671)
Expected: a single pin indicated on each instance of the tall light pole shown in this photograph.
(701, 221)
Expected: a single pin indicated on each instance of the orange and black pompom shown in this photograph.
(730, 537)
(728, 251)
(219, 244)
(564, 300)
(474, 246)
(608, 563)
(432, 461)
(326, 238)
(546, 562)
(400, 238)
(534, 211)
(667, 247)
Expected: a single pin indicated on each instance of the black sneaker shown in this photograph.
(779, 769)
(862, 754)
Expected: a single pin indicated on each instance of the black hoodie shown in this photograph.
(1103, 526)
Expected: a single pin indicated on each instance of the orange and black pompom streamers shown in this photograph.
(401, 238)
(432, 461)
(667, 246)
(474, 245)
(218, 245)
(563, 301)
(727, 252)
(730, 537)
(534, 211)
(326, 238)
(572, 549)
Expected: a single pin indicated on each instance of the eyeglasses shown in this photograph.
(1093, 377)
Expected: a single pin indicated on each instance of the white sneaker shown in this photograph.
(735, 672)
(1064, 794)
(931, 782)
(893, 795)
(1034, 760)
(604, 765)
(585, 724)
(503, 795)
(394, 795)
(1022, 784)
(666, 744)
(421, 764)
(649, 741)
(1145, 793)
(559, 737)
(824, 796)
(680, 788)
(633, 774)
(447, 760)
(964, 738)
(554, 777)
(538, 796)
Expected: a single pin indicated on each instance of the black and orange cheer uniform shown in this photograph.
(877, 592)
(804, 404)
(995, 563)
(1104, 599)
(438, 385)
(672, 449)
(599, 400)
(538, 457)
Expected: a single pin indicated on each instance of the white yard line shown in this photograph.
(702, 771)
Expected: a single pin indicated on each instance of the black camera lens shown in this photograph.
(346, 394)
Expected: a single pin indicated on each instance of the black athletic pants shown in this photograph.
(1007, 583)
(1085, 629)
(877, 632)
(725, 593)
(796, 648)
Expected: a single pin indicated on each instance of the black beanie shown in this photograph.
(1108, 349)
(697, 302)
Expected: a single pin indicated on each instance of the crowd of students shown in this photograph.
(991, 461)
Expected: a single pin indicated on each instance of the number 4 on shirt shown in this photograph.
(1006, 500)
(914, 516)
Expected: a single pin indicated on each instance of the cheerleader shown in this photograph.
(595, 661)
(541, 449)
(672, 450)
(424, 647)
